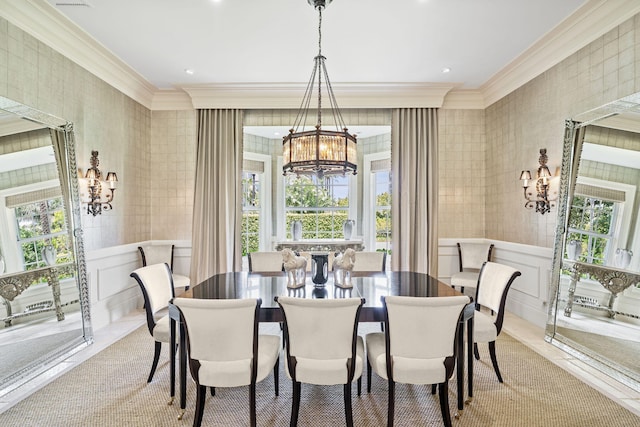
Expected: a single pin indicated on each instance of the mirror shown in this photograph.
(596, 267)
(44, 304)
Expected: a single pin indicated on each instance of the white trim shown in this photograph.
(280, 231)
(623, 222)
(368, 197)
(8, 236)
(287, 95)
(265, 199)
(592, 20)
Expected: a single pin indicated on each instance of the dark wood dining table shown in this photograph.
(370, 286)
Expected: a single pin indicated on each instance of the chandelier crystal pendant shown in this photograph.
(94, 201)
(319, 151)
(539, 196)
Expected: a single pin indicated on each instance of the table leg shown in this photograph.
(172, 359)
(183, 371)
(470, 358)
(460, 370)
(572, 289)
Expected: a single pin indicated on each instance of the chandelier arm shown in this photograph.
(337, 115)
(301, 118)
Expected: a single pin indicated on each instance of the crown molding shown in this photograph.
(289, 95)
(171, 100)
(45, 23)
(590, 21)
(464, 100)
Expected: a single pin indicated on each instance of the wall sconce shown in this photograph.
(94, 201)
(539, 195)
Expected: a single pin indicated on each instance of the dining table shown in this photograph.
(371, 286)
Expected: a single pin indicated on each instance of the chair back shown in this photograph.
(321, 329)
(156, 284)
(493, 285)
(370, 261)
(220, 330)
(156, 254)
(265, 262)
(473, 255)
(422, 327)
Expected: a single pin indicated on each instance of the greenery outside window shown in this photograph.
(383, 210)
(38, 225)
(321, 204)
(591, 221)
(251, 189)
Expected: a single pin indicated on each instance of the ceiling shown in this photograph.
(247, 41)
(259, 53)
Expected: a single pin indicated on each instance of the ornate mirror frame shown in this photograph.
(63, 131)
(572, 149)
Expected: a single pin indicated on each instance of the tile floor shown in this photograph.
(520, 329)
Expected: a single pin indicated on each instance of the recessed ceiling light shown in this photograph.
(446, 70)
(189, 71)
(276, 133)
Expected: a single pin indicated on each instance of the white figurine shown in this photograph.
(295, 267)
(342, 267)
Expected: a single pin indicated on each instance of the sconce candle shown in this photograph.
(94, 198)
(543, 199)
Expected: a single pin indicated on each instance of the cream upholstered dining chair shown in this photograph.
(156, 284)
(225, 349)
(491, 297)
(265, 262)
(418, 345)
(370, 261)
(322, 345)
(471, 256)
(157, 254)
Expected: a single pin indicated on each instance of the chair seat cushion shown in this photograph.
(180, 281)
(328, 372)
(484, 328)
(237, 373)
(465, 279)
(161, 330)
(405, 369)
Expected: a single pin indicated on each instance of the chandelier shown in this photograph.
(319, 151)
(539, 196)
(95, 203)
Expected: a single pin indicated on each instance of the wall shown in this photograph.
(532, 117)
(462, 182)
(104, 120)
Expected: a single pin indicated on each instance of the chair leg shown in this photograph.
(433, 388)
(392, 402)
(252, 404)
(212, 390)
(360, 385)
(201, 395)
(444, 403)
(476, 353)
(348, 413)
(276, 376)
(368, 376)
(295, 407)
(156, 357)
(494, 360)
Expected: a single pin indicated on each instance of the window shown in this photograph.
(591, 221)
(40, 224)
(383, 210)
(250, 212)
(376, 215)
(256, 203)
(321, 204)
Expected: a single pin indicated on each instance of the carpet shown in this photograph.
(110, 389)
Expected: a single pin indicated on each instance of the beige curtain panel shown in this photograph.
(217, 209)
(414, 167)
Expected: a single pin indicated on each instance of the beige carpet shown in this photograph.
(110, 389)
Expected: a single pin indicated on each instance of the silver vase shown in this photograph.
(296, 230)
